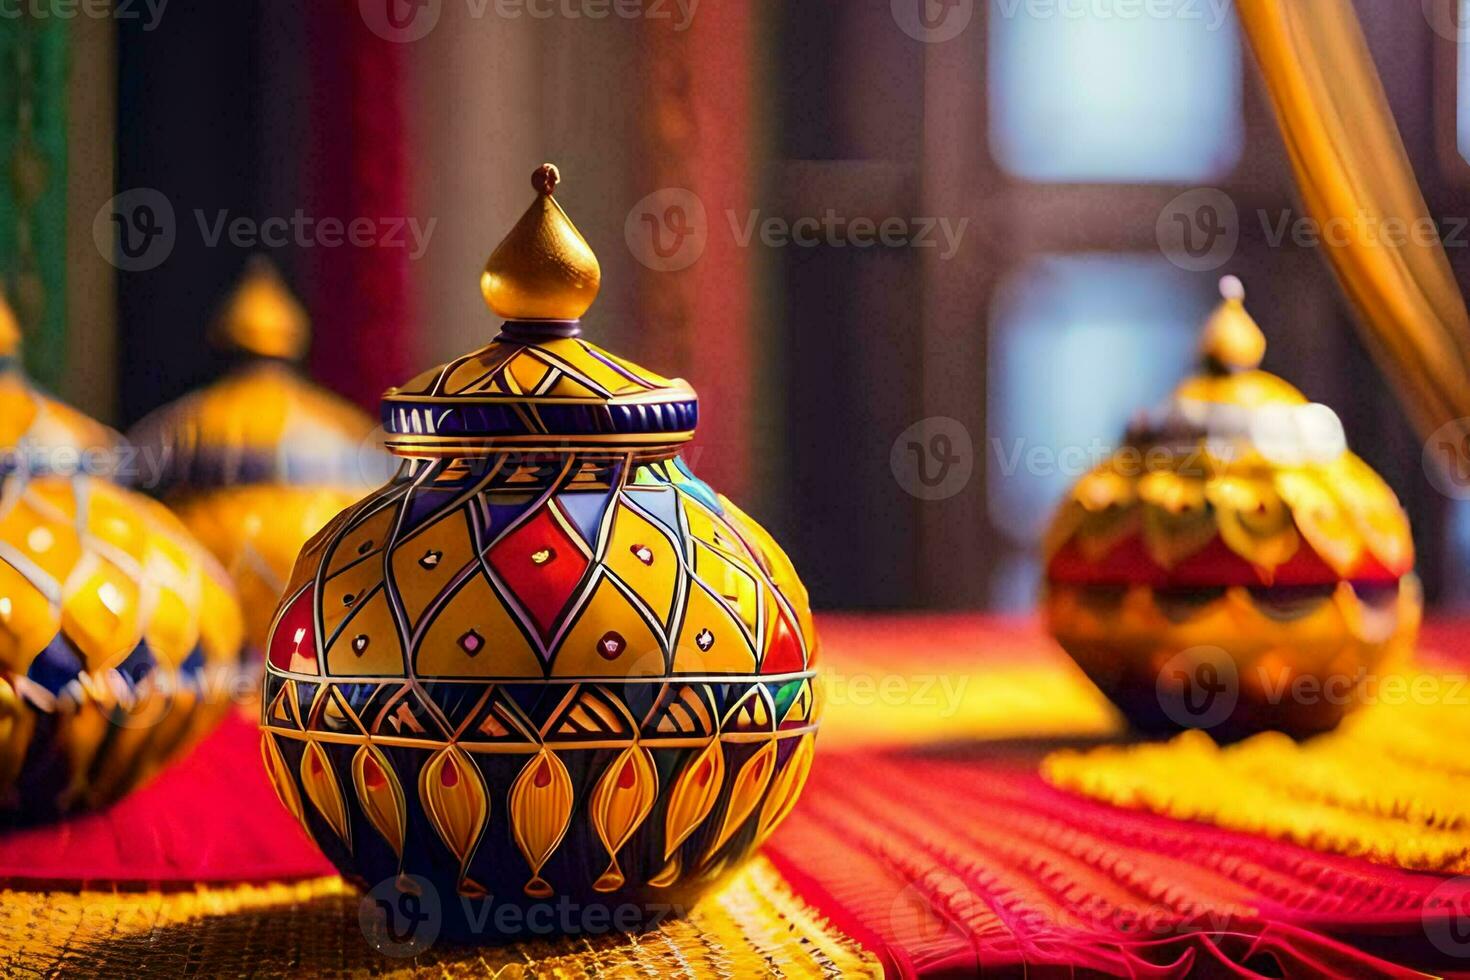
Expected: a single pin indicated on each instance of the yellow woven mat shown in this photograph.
(1391, 784)
(755, 926)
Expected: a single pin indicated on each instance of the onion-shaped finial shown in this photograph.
(1232, 341)
(544, 269)
(261, 317)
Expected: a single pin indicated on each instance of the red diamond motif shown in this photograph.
(542, 587)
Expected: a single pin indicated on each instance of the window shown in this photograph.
(1110, 91)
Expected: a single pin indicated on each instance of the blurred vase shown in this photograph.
(120, 636)
(257, 462)
(545, 665)
(1233, 566)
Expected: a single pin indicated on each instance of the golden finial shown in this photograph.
(9, 329)
(544, 269)
(261, 317)
(1232, 341)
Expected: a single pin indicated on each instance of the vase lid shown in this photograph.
(40, 434)
(263, 422)
(1237, 479)
(538, 386)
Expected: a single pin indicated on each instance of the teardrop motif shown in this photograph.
(540, 812)
(454, 796)
(690, 801)
(622, 800)
(320, 780)
(748, 788)
(381, 796)
(785, 788)
(281, 779)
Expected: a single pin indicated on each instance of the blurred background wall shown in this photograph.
(1051, 146)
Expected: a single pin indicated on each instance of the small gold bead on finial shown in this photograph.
(546, 178)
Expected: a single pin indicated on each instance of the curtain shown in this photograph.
(1351, 169)
(33, 72)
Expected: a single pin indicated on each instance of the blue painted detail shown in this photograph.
(56, 666)
(586, 509)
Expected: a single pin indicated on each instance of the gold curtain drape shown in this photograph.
(1352, 171)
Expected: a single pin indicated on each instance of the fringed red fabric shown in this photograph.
(945, 864)
(358, 169)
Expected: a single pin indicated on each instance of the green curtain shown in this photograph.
(33, 98)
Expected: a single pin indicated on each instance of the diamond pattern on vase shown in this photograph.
(585, 510)
(645, 560)
(731, 582)
(350, 588)
(588, 650)
(360, 540)
(710, 640)
(474, 635)
(27, 620)
(426, 562)
(100, 612)
(783, 645)
(541, 564)
(42, 539)
(368, 644)
(662, 504)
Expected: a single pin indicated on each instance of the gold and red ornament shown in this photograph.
(545, 665)
(120, 636)
(1233, 566)
(257, 462)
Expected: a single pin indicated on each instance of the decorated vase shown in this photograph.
(1233, 566)
(120, 636)
(258, 461)
(545, 665)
